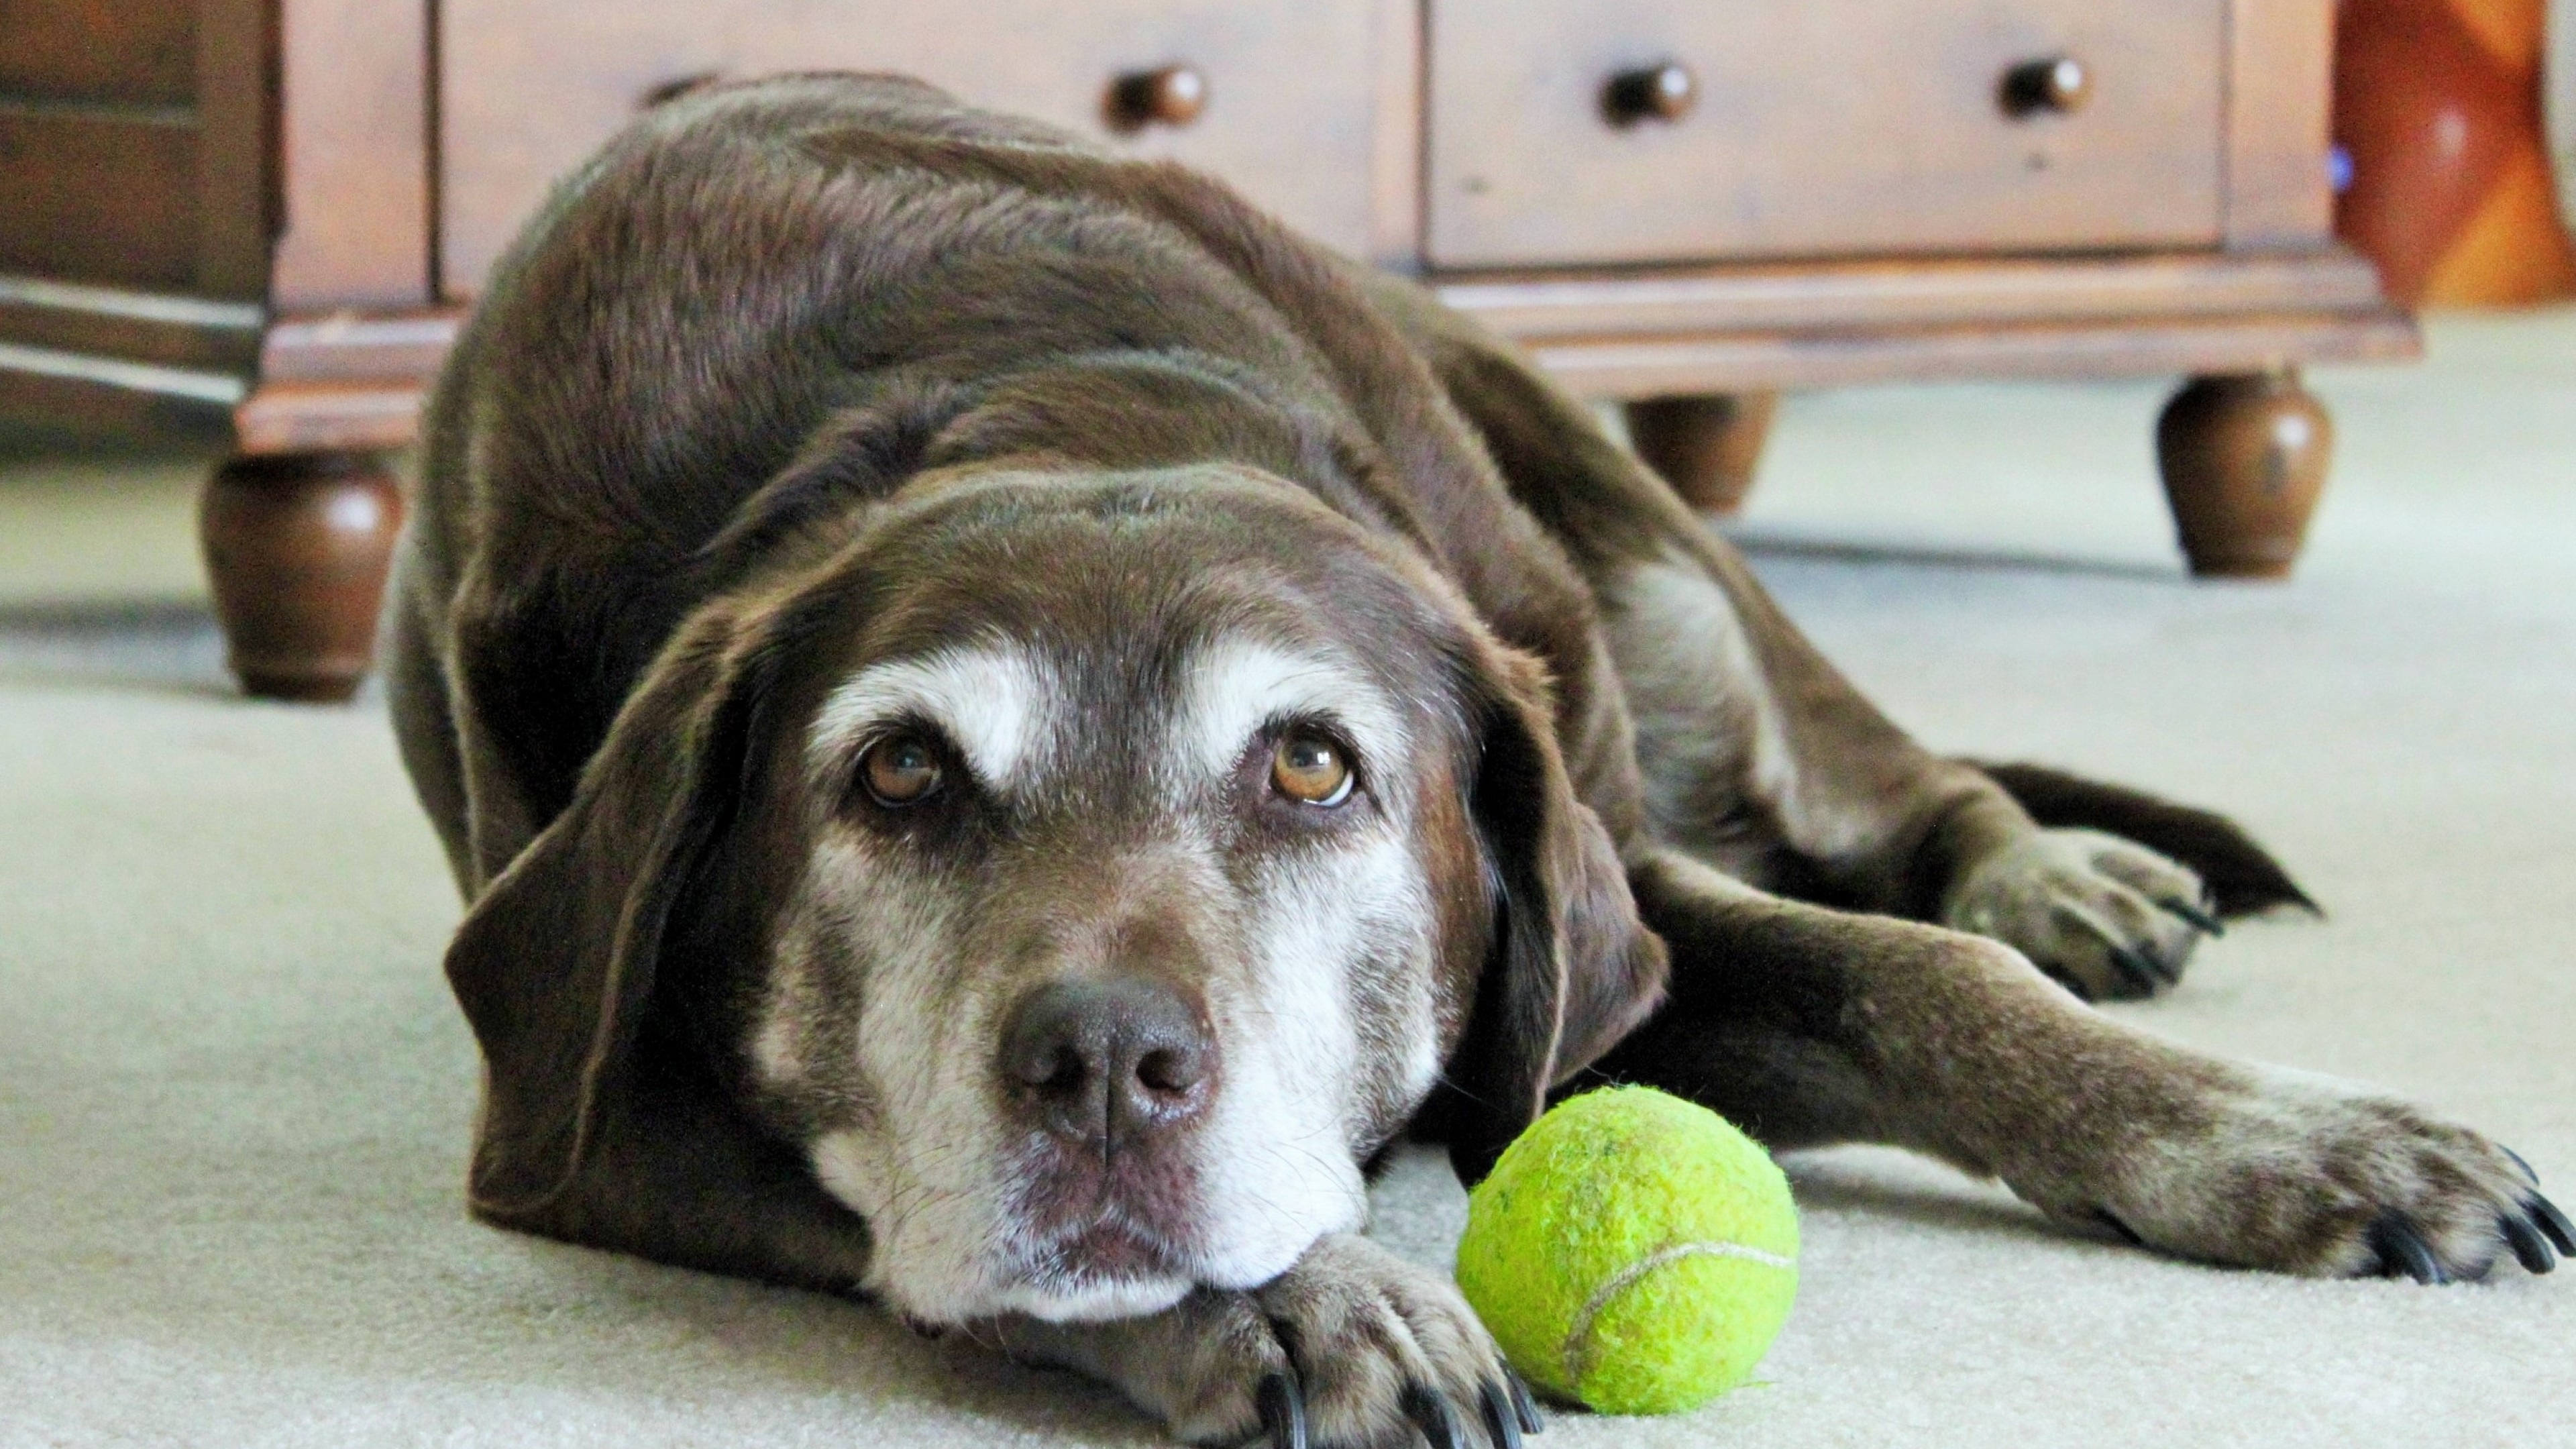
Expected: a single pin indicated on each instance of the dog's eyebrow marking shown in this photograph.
(993, 700)
(1234, 686)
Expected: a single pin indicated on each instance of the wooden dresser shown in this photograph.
(263, 217)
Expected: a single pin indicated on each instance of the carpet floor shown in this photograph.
(234, 1094)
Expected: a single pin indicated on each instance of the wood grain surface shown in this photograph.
(1747, 361)
(1900, 292)
(238, 201)
(1824, 127)
(355, 135)
(2280, 64)
(97, 192)
(1291, 115)
(130, 52)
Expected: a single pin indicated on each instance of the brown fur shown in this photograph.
(817, 371)
(2242, 877)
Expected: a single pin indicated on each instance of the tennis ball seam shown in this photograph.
(1578, 1337)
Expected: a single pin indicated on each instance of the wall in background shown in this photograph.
(2559, 75)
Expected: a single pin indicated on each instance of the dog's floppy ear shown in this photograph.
(556, 961)
(600, 1123)
(1571, 970)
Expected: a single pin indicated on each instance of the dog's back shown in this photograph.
(755, 273)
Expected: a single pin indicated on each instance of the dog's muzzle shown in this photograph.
(1107, 1080)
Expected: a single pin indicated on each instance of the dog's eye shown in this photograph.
(1310, 769)
(901, 770)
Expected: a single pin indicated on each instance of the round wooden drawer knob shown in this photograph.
(1655, 93)
(1172, 96)
(2060, 83)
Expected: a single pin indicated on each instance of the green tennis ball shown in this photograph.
(1632, 1252)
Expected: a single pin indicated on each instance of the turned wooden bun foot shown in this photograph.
(1706, 447)
(296, 552)
(2244, 460)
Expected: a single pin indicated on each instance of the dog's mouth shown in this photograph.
(1108, 1268)
(1097, 1238)
(1101, 1215)
(1107, 1252)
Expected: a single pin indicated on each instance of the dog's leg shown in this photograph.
(1809, 1025)
(1353, 1345)
(1758, 755)
(424, 718)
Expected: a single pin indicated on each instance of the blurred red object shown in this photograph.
(2437, 103)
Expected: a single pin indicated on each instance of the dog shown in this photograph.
(1008, 725)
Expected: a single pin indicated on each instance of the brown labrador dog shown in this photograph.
(1009, 724)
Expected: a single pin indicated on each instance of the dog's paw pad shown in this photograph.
(2106, 916)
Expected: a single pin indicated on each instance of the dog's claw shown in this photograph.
(2528, 1175)
(2127, 1234)
(2196, 917)
(2140, 968)
(2402, 1249)
(1283, 1412)
(2527, 1243)
(1502, 1420)
(1430, 1412)
(2553, 1222)
(1523, 1405)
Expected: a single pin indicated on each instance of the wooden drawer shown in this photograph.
(98, 195)
(1818, 127)
(1290, 109)
(99, 141)
(126, 52)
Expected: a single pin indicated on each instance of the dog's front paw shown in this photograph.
(2304, 1174)
(1384, 1347)
(2107, 916)
(1353, 1347)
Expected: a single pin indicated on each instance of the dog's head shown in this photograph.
(1083, 874)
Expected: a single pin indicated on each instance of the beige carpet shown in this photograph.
(234, 1094)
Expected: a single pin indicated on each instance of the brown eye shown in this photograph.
(1310, 769)
(901, 770)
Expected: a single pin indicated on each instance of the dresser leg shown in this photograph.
(2244, 458)
(1706, 447)
(296, 552)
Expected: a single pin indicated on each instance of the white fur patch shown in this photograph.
(1279, 1164)
(996, 702)
(922, 1167)
(1093, 1302)
(775, 1055)
(933, 1167)
(1704, 709)
(1236, 686)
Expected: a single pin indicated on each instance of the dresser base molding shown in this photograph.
(336, 380)
(1917, 292)
(1626, 368)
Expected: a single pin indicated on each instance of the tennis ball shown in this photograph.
(1632, 1252)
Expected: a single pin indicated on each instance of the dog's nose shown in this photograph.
(1107, 1063)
